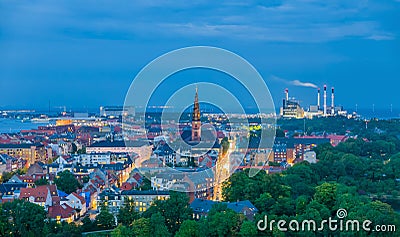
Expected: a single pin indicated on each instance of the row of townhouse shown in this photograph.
(58, 205)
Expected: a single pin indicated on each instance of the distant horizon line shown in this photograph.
(173, 109)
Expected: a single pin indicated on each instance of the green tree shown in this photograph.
(157, 226)
(378, 212)
(85, 179)
(70, 230)
(353, 165)
(265, 202)
(127, 214)
(284, 206)
(67, 182)
(6, 176)
(225, 145)
(3, 222)
(326, 194)
(105, 220)
(223, 221)
(392, 169)
(189, 228)
(322, 148)
(349, 201)
(235, 187)
(21, 171)
(146, 184)
(87, 224)
(121, 231)
(141, 227)
(24, 218)
(316, 211)
(241, 187)
(175, 210)
(41, 182)
(82, 150)
(301, 179)
(52, 227)
(301, 204)
(248, 229)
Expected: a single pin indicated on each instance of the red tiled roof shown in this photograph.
(90, 188)
(126, 186)
(4, 199)
(53, 190)
(137, 177)
(26, 178)
(31, 137)
(337, 137)
(64, 211)
(55, 200)
(38, 176)
(39, 193)
(209, 164)
(201, 158)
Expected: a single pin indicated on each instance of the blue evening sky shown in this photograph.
(83, 54)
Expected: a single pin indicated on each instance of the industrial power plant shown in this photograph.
(291, 107)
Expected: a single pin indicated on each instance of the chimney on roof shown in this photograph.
(333, 101)
(324, 100)
(287, 94)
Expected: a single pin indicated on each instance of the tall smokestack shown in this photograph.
(333, 101)
(319, 99)
(287, 94)
(324, 100)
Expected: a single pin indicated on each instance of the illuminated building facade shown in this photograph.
(196, 123)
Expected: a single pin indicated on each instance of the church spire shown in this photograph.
(196, 123)
(196, 107)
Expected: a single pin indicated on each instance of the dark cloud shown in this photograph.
(83, 50)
